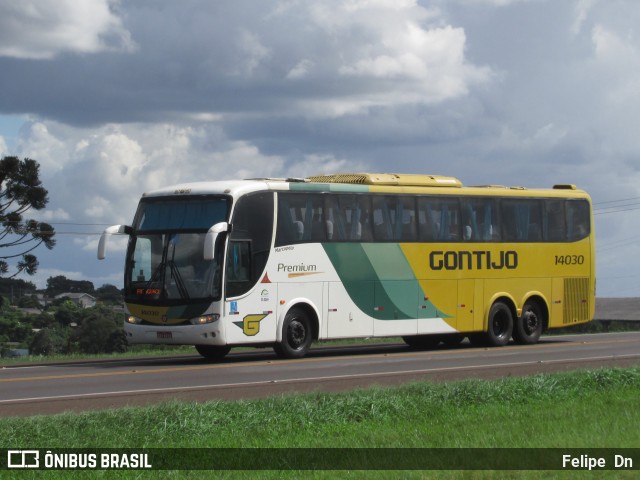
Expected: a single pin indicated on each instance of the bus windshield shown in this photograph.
(165, 259)
(185, 213)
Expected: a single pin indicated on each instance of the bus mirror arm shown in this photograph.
(114, 229)
(212, 236)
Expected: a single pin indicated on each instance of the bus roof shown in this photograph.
(360, 183)
(391, 179)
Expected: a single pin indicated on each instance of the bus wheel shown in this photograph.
(422, 341)
(500, 325)
(297, 335)
(213, 352)
(528, 327)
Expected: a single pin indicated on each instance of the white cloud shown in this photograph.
(378, 53)
(582, 11)
(315, 164)
(50, 215)
(252, 52)
(494, 3)
(37, 142)
(42, 29)
(609, 47)
(301, 70)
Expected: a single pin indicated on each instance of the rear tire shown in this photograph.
(528, 328)
(213, 352)
(500, 325)
(297, 335)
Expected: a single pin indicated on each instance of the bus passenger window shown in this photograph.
(521, 220)
(480, 220)
(348, 218)
(238, 268)
(577, 219)
(554, 221)
(439, 219)
(394, 218)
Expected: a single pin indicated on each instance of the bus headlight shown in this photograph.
(204, 319)
(133, 320)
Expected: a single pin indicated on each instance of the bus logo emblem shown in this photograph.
(250, 324)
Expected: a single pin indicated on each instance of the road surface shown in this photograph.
(76, 386)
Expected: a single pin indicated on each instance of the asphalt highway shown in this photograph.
(76, 386)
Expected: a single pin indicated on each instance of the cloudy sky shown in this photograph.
(117, 97)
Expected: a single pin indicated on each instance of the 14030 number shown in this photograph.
(569, 259)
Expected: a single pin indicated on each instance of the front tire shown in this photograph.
(297, 335)
(528, 327)
(213, 352)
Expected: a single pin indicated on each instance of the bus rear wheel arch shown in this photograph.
(298, 332)
(529, 326)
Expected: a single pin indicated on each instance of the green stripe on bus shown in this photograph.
(379, 280)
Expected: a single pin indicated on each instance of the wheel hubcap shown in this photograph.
(297, 334)
(500, 323)
(530, 323)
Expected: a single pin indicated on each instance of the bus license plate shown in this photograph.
(163, 335)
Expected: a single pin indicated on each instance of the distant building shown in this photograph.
(83, 300)
(624, 309)
(18, 352)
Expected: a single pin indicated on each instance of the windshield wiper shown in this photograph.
(175, 271)
(175, 274)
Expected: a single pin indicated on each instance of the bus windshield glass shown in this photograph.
(187, 213)
(165, 258)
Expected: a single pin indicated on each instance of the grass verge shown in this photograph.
(589, 409)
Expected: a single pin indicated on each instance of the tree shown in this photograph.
(109, 293)
(30, 301)
(61, 284)
(49, 341)
(98, 332)
(20, 191)
(68, 313)
(15, 288)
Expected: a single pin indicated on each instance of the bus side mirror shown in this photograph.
(212, 236)
(114, 229)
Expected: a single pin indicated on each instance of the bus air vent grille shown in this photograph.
(391, 179)
(576, 300)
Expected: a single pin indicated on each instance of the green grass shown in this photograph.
(590, 409)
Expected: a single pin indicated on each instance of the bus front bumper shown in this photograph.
(207, 334)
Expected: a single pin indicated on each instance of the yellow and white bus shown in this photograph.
(284, 262)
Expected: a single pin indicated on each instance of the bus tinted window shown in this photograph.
(303, 218)
(521, 220)
(577, 220)
(184, 214)
(249, 242)
(554, 224)
(349, 217)
(298, 218)
(480, 220)
(428, 218)
(439, 219)
(394, 218)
